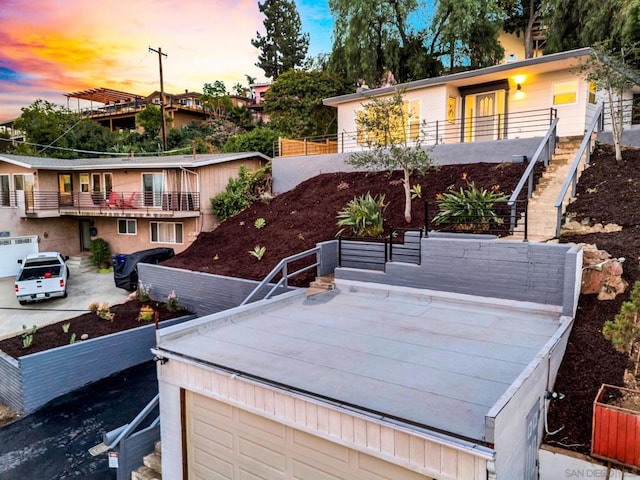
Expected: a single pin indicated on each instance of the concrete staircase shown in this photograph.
(80, 263)
(152, 466)
(321, 284)
(541, 212)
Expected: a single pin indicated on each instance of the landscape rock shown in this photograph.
(601, 273)
(584, 227)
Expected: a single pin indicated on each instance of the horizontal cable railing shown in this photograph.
(492, 127)
(494, 218)
(114, 200)
(583, 153)
(626, 109)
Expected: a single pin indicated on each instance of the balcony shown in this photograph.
(112, 204)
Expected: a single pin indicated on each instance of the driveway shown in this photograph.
(82, 289)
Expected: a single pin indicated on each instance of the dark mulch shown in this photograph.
(608, 192)
(300, 218)
(50, 336)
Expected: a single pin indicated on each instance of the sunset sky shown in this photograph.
(52, 47)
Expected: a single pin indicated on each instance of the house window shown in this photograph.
(84, 182)
(565, 93)
(127, 226)
(592, 92)
(166, 232)
(383, 126)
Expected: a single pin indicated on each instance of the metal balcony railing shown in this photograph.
(111, 201)
(529, 123)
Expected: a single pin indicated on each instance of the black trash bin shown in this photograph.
(125, 274)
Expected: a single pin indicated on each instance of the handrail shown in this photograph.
(572, 175)
(127, 429)
(282, 267)
(548, 146)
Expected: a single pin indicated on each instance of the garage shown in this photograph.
(224, 441)
(13, 249)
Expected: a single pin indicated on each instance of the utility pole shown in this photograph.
(162, 102)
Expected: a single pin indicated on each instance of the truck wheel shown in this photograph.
(22, 302)
(64, 295)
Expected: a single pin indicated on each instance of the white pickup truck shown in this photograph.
(42, 275)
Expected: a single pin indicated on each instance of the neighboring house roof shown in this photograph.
(173, 161)
(435, 360)
(536, 65)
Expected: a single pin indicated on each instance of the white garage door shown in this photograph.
(13, 249)
(225, 442)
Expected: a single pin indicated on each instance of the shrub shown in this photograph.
(242, 191)
(172, 302)
(363, 216)
(623, 332)
(470, 209)
(100, 252)
(259, 223)
(146, 314)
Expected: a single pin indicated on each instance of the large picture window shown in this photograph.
(166, 232)
(382, 126)
(565, 93)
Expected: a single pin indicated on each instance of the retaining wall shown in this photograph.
(290, 171)
(546, 274)
(29, 382)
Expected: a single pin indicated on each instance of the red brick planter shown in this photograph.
(616, 430)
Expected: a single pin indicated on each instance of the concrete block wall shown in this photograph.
(547, 274)
(29, 382)
(290, 171)
(202, 293)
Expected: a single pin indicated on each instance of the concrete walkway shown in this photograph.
(82, 290)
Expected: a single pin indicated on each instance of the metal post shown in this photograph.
(162, 101)
(391, 244)
(526, 220)
(437, 130)
(426, 218)
(340, 251)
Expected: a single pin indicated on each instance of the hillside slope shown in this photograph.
(300, 218)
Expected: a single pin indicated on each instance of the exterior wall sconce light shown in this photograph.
(519, 87)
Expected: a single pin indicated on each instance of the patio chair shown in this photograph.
(129, 203)
(112, 201)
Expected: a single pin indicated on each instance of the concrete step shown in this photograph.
(80, 264)
(153, 461)
(321, 284)
(145, 473)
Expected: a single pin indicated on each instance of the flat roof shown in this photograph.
(435, 360)
(545, 63)
(165, 161)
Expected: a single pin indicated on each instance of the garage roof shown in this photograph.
(438, 361)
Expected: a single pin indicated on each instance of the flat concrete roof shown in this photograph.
(422, 357)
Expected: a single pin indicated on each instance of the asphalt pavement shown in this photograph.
(53, 442)
(82, 290)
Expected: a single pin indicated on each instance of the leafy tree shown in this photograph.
(215, 98)
(373, 37)
(239, 90)
(294, 103)
(572, 24)
(259, 139)
(5, 144)
(58, 132)
(150, 119)
(283, 47)
(612, 71)
(241, 116)
(467, 31)
(390, 143)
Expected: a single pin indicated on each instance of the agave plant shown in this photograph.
(363, 216)
(470, 209)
